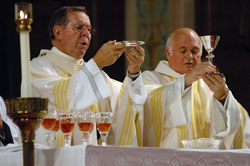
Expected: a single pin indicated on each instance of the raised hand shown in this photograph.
(108, 53)
(135, 57)
(199, 70)
(217, 84)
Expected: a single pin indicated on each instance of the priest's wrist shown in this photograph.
(133, 76)
(223, 97)
(98, 62)
(189, 79)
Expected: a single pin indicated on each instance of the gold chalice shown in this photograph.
(27, 114)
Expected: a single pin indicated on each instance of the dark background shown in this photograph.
(231, 20)
(228, 18)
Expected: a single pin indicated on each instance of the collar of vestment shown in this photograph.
(163, 68)
(65, 62)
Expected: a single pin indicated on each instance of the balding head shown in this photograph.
(180, 34)
(183, 50)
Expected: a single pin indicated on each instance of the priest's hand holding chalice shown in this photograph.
(216, 81)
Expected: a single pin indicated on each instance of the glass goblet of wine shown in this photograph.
(49, 121)
(85, 121)
(103, 123)
(67, 122)
(53, 133)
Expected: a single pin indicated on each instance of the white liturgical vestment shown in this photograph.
(72, 84)
(173, 113)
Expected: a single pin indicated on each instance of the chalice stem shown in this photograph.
(210, 57)
(210, 60)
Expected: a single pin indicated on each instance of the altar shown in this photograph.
(125, 156)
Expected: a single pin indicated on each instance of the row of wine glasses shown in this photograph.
(52, 121)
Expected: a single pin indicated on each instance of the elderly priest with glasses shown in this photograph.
(72, 84)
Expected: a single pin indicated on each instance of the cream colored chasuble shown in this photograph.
(63, 76)
(200, 122)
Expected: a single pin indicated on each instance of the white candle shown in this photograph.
(25, 64)
(23, 18)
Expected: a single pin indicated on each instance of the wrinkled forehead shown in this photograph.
(78, 17)
(189, 40)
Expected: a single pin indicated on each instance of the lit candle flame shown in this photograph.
(23, 15)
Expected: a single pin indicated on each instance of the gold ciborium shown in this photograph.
(27, 114)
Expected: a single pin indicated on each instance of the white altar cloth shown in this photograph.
(127, 156)
(73, 156)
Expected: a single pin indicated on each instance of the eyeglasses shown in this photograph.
(79, 28)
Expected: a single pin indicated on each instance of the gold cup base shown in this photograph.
(27, 114)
